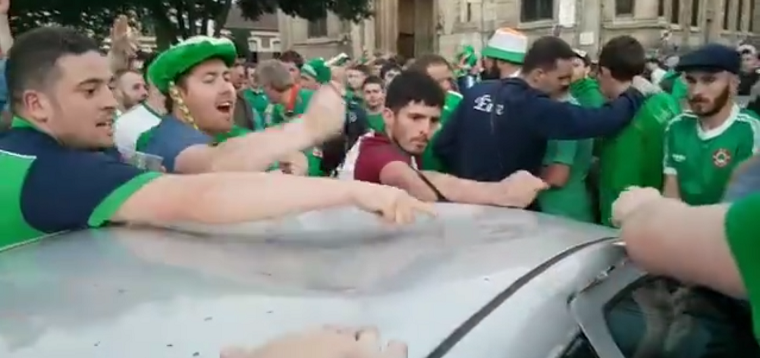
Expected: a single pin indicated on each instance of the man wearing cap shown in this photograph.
(705, 144)
(315, 73)
(502, 126)
(198, 135)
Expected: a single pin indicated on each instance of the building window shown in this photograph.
(661, 8)
(318, 27)
(675, 11)
(726, 13)
(624, 7)
(695, 12)
(752, 16)
(468, 16)
(536, 10)
(739, 15)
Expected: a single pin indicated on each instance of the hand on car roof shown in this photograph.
(326, 342)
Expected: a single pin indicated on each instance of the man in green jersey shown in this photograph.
(633, 157)
(440, 70)
(374, 100)
(60, 172)
(566, 164)
(715, 246)
(704, 145)
(288, 103)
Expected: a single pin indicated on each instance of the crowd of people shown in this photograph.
(195, 134)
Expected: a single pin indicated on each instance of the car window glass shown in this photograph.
(660, 318)
(580, 347)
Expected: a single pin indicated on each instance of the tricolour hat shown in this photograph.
(507, 44)
(180, 58)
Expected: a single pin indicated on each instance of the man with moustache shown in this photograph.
(704, 145)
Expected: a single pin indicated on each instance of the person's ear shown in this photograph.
(389, 117)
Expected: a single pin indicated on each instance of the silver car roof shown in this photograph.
(139, 292)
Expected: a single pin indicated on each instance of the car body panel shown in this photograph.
(129, 292)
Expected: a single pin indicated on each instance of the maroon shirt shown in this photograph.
(375, 152)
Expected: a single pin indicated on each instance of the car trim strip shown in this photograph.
(465, 328)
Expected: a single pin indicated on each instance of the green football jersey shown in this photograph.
(703, 160)
(429, 160)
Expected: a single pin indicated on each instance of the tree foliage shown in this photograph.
(170, 20)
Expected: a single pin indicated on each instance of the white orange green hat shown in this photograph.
(507, 44)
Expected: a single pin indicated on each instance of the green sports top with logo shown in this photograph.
(702, 160)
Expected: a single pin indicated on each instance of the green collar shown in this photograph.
(19, 122)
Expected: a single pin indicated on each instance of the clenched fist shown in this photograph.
(631, 200)
(517, 190)
(326, 113)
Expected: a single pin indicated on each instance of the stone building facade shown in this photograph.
(412, 27)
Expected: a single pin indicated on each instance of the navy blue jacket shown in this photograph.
(477, 145)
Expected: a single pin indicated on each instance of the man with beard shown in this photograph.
(504, 54)
(412, 111)
(130, 89)
(704, 145)
(501, 127)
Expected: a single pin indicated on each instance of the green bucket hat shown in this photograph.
(180, 58)
(318, 70)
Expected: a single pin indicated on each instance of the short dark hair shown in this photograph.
(413, 87)
(361, 68)
(292, 57)
(373, 80)
(32, 61)
(624, 57)
(545, 52)
(390, 66)
(423, 62)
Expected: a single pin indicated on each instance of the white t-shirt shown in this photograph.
(131, 124)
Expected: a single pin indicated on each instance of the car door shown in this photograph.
(629, 314)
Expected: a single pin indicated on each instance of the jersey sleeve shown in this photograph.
(562, 152)
(169, 141)
(741, 228)
(74, 190)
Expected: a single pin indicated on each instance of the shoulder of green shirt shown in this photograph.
(741, 227)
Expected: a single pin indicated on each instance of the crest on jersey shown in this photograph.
(721, 158)
(317, 152)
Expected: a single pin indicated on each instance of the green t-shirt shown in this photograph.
(703, 161)
(429, 160)
(48, 188)
(634, 156)
(742, 227)
(257, 98)
(376, 122)
(571, 200)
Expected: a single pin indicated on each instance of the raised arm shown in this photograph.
(560, 120)
(6, 37)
